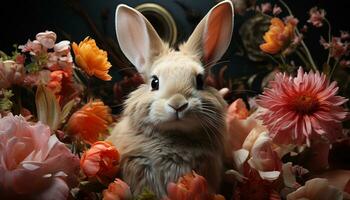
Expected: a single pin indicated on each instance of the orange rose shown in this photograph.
(91, 59)
(91, 121)
(278, 36)
(117, 190)
(191, 187)
(100, 161)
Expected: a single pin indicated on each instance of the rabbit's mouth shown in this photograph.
(182, 124)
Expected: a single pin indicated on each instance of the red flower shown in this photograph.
(298, 108)
(100, 161)
(117, 190)
(191, 187)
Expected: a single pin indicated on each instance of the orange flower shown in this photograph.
(100, 161)
(91, 59)
(278, 36)
(117, 190)
(191, 187)
(91, 121)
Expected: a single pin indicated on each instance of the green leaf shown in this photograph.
(33, 67)
(5, 102)
(66, 110)
(48, 108)
(146, 195)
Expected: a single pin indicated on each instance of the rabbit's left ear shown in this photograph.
(137, 38)
(212, 36)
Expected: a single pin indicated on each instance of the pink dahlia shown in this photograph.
(299, 108)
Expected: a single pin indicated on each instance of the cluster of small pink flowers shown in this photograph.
(317, 16)
(338, 46)
(267, 8)
(50, 55)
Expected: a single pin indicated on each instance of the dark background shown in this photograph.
(23, 19)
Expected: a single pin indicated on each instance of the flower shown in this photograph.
(92, 59)
(10, 73)
(278, 37)
(238, 109)
(47, 39)
(55, 83)
(91, 121)
(33, 47)
(62, 85)
(344, 35)
(336, 47)
(191, 187)
(316, 189)
(61, 58)
(276, 10)
(36, 78)
(316, 16)
(117, 190)
(266, 7)
(301, 107)
(238, 127)
(34, 164)
(264, 159)
(100, 161)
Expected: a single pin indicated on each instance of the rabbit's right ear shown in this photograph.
(136, 37)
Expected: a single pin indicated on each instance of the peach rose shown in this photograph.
(100, 161)
(191, 187)
(239, 124)
(117, 190)
(316, 189)
(264, 159)
(34, 164)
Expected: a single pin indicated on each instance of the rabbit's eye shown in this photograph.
(155, 83)
(199, 82)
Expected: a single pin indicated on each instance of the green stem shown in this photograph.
(329, 39)
(284, 63)
(334, 67)
(273, 59)
(303, 59)
(308, 54)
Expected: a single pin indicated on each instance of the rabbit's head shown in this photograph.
(174, 96)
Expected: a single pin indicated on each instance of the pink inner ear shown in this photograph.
(215, 26)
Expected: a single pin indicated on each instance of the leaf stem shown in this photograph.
(329, 39)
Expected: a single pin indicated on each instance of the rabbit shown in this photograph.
(173, 123)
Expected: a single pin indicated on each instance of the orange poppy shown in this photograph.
(278, 36)
(91, 59)
(91, 121)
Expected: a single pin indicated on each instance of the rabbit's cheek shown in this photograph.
(158, 113)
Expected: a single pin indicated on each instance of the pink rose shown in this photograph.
(10, 73)
(117, 190)
(34, 164)
(47, 39)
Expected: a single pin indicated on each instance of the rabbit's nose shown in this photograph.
(178, 102)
